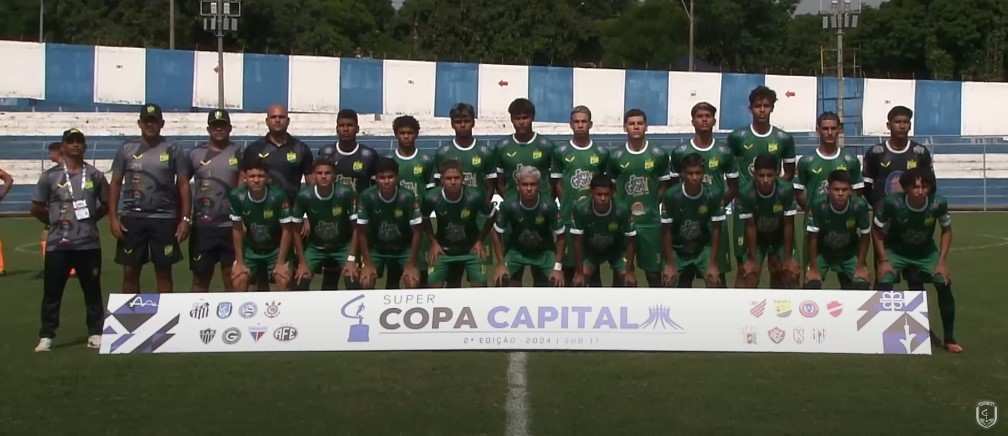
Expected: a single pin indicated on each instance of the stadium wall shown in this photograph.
(76, 78)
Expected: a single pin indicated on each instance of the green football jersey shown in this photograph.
(838, 232)
(812, 175)
(477, 162)
(456, 227)
(511, 155)
(602, 233)
(690, 217)
(911, 232)
(746, 145)
(331, 218)
(638, 176)
(416, 173)
(389, 222)
(576, 166)
(263, 218)
(532, 230)
(719, 164)
(767, 211)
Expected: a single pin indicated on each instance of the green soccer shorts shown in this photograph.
(475, 269)
(260, 264)
(925, 262)
(765, 251)
(517, 261)
(649, 248)
(382, 260)
(317, 257)
(616, 261)
(698, 260)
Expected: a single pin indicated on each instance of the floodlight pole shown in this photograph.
(171, 24)
(41, 21)
(220, 16)
(692, 22)
(843, 16)
(220, 53)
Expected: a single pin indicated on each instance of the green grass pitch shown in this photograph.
(73, 389)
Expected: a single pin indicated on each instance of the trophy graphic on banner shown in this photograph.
(359, 331)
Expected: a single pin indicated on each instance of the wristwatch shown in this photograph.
(187, 219)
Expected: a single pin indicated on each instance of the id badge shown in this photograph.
(81, 210)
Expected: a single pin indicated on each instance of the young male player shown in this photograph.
(691, 219)
(641, 173)
(603, 232)
(354, 162)
(149, 175)
(259, 216)
(524, 148)
(575, 164)
(908, 220)
(753, 140)
(457, 244)
(839, 233)
(535, 234)
(721, 174)
(214, 167)
(416, 173)
(884, 163)
(388, 230)
(767, 207)
(331, 209)
(71, 197)
(479, 170)
(814, 169)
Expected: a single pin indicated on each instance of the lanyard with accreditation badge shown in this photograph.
(80, 206)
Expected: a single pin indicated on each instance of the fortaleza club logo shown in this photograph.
(420, 313)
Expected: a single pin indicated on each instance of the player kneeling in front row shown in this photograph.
(536, 237)
(767, 208)
(389, 230)
(839, 233)
(457, 245)
(331, 211)
(603, 232)
(691, 218)
(909, 219)
(259, 216)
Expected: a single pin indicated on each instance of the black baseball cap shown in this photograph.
(218, 116)
(151, 111)
(69, 134)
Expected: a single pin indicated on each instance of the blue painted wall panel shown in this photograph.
(69, 71)
(265, 81)
(455, 83)
(648, 91)
(735, 89)
(853, 101)
(361, 85)
(170, 78)
(938, 108)
(551, 89)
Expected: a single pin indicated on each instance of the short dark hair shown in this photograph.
(762, 93)
(828, 115)
(521, 106)
(323, 161)
(386, 164)
(634, 113)
(450, 164)
(693, 160)
(899, 110)
(765, 161)
(601, 181)
(841, 176)
(703, 106)
(405, 121)
(910, 177)
(462, 110)
(55, 146)
(255, 164)
(347, 114)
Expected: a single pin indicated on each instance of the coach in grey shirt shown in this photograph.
(71, 198)
(149, 176)
(214, 167)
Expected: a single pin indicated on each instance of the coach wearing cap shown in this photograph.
(149, 175)
(71, 197)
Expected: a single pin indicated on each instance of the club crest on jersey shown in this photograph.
(851, 223)
(702, 209)
(712, 163)
(398, 213)
(291, 156)
(163, 157)
(772, 147)
(613, 226)
(581, 179)
(540, 219)
(778, 208)
(233, 161)
(89, 184)
(476, 160)
(417, 170)
(268, 213)
(358, 165)
(637, 185)
(648, 164)
(337, 210)
(593, 160)
(536, 154)
(465, 213)
(911, 164)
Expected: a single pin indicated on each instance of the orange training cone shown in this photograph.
(2, 270)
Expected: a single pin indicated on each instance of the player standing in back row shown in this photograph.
(758, 138)
(148, 174)
(884, 163)
(416, 173)
(214, 167)
(524, 148)
(641, 172)
(574, 166)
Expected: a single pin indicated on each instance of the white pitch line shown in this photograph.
(1004, 242)
(23, 248)
(517, 399)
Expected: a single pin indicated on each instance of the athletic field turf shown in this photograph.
(73, 389)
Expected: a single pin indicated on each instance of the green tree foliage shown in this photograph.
(928, 39)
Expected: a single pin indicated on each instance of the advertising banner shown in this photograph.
(749, 320)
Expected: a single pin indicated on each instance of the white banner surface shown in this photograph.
(760, 320)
